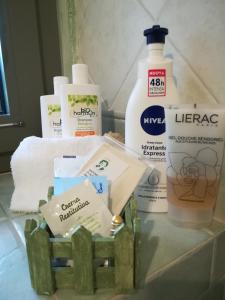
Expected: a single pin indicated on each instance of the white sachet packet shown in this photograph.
(80, 205)
(68, 166)
(122, 169)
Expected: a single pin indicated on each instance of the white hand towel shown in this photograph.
(32, 166)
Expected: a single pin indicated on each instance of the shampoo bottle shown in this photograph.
(145, 119)
(51, 110)
(80, 103)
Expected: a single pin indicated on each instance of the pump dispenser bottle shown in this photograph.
(51, 110)
(145, 119)
(81, 107)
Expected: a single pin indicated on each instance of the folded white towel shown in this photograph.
(32, 166)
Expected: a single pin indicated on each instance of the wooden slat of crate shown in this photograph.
(61, 248)
(83, 249)
(137, 246)
(103, 247)
(43, 276)
(29, 227)
(105, 277)
(128, 219)
(82, 254)
(133, 207)
(64, 277)
(50, 192)
(124, 259)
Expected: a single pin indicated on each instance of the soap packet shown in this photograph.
(68, 165)
(80, 205)
(100, 184)
(123, 168)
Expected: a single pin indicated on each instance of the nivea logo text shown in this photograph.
(154, 121)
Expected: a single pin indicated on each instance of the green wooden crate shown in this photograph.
(94, 262)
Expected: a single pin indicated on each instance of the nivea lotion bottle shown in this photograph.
(81, 106)
(51, 110)
(145, 119)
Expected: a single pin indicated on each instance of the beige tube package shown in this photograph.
(195, 146)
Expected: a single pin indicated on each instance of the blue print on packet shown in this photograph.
(62, 185)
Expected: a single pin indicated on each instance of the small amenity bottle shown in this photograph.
(51, 110)
(80, 104)
(145, 119)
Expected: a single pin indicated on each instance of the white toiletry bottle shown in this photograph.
(145, 119)
(80, 103)
(51, 110)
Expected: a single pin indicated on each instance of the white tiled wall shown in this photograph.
(109, 38)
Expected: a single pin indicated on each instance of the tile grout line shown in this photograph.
(5, 212)
(212, 268)
(126, 75)
(129, 69)
(70, 17)
(219, 220)
(146, 10)
(183, 57)
(9, 253)
(194, 72)
(205, 293)
(114, 115)
(180, 259)
(92, 81)
(135, 59)
(12, 228)
(161, 10)
(210, 232)
(16, 235)
(119, 116)
(212, 238)
(80, 31)
(132, 64)
(8, 216)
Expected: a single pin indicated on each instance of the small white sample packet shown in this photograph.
(122, 169)
(80, 205)
(67, 166)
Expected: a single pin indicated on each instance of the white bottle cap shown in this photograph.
(57, 82)
(80, 74)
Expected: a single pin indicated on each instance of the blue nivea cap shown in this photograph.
(156, 34)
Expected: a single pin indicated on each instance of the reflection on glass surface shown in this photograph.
(4, 106)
